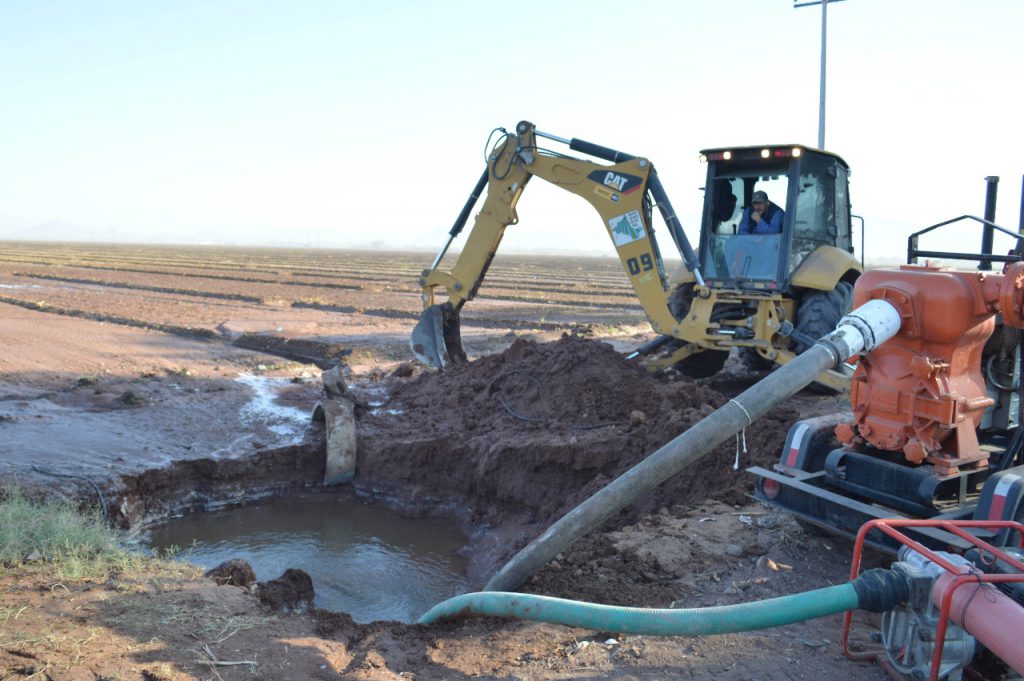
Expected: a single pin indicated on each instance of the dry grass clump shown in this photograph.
(75, 543)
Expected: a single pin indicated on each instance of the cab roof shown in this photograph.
(748, 153)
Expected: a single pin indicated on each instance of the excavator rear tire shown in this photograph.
(703, 364)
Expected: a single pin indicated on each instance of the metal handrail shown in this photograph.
(913, 252)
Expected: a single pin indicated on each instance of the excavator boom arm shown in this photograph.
(618, 192)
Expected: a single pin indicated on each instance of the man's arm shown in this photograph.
(746, 224)
(773, 226)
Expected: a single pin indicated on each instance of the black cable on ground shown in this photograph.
(99, 492)
(501, 399)
(535, 419)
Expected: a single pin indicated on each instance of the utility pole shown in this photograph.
(824, 35)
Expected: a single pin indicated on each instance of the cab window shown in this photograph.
(731, 255)
(815, 220)
(732, 192)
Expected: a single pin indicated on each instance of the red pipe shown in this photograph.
(953, 579)
(987, 614)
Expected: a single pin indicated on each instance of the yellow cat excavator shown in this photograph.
(768, 291)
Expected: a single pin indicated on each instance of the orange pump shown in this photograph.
(922, 392)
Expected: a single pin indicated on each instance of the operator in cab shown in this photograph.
(761, 217)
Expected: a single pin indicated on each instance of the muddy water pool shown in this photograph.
(365, 560)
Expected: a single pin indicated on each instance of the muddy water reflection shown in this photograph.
(364, 559)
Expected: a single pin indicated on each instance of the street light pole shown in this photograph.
(824, 37)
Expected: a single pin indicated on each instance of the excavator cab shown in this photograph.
(808, 186)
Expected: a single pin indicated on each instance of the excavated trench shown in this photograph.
(364, 559)
(501, 447)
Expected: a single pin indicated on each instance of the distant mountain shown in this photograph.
(55, 230)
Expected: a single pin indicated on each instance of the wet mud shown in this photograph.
(324, 354)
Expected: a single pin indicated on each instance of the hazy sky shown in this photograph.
(346, 123)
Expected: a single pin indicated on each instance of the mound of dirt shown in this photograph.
(291, 592)
(236, 572)
(531, 432)
(573, 384)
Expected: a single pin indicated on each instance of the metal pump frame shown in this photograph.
(890, 527)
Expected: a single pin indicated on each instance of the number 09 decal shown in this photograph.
(644, 264)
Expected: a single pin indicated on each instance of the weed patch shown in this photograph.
(76, 544)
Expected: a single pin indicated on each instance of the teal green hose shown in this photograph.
(724, 619)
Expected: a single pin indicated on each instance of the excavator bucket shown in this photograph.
(436, 340)
(428, 338)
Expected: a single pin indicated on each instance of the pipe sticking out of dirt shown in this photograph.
(863, 329)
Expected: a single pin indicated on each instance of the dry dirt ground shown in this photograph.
(145, 395)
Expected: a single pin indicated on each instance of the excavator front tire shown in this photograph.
(753, 360)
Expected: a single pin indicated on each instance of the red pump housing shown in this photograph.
(922, 391)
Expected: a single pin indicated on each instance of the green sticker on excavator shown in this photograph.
(626, 228)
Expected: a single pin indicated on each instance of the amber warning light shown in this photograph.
(751, 154)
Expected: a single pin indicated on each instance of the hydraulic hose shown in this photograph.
(876, 590)
(863, 329)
